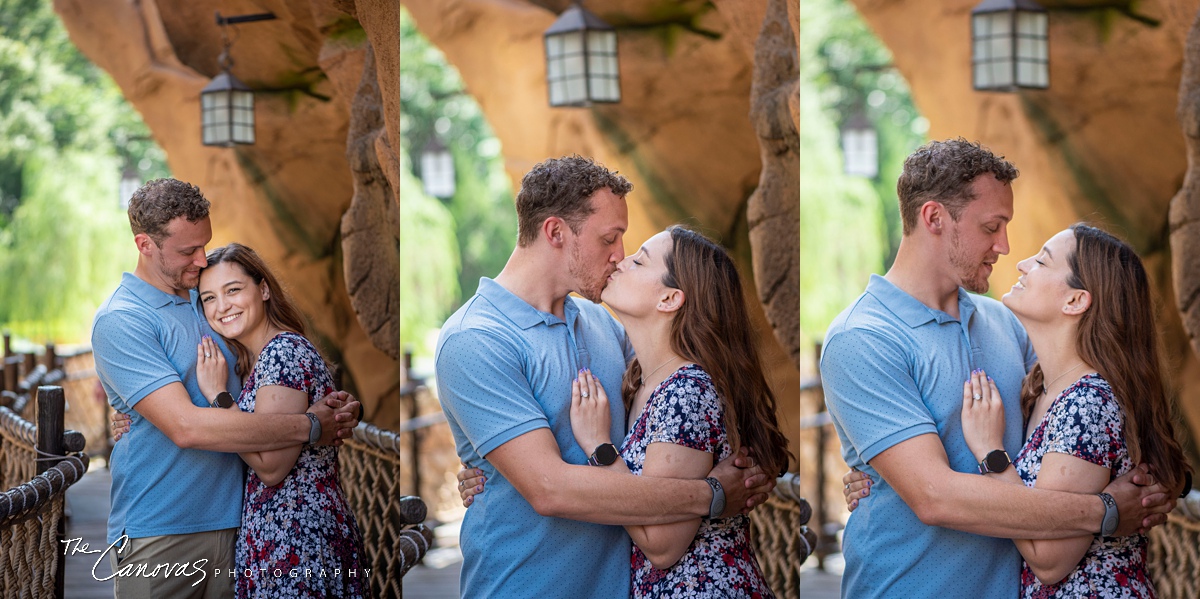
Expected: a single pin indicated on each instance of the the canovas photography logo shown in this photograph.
(194, 569)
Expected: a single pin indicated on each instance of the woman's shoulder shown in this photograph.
(690, 384)
(291, 346)
(1091, 395)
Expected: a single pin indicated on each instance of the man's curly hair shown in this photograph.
(561, 187)
(158, 202)
(943, 171)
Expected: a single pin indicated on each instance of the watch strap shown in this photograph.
(314, 432)
(1112, 518)
(718, 499)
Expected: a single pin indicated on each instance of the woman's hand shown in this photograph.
(982, 415)
(211, 369)
(470, 484)
(855, 485)
(590, 417)
(120, 425)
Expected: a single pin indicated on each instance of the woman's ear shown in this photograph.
(1078, 303)
(266, 290)
(671, 300)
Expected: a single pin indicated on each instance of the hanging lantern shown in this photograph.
(131, 180)
(581, 59)
(1009, 45)
(437, 169)
(227, 104)
(860, 147)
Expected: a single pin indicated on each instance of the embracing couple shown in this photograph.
(986, 432)
(205, 359)
(590, 432)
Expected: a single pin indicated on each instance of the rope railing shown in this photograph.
(781, 537)
(394, 537)
(1174, 555)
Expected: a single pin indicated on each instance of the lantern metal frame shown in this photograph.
(1018, 48)
(577, 19)
(859, 125)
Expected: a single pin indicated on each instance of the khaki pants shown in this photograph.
(176, 566)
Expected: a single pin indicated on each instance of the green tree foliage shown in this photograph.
(429, 261)
(849, 226)
(65, 136)
(481, 222)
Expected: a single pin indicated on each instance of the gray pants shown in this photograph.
(180, 566)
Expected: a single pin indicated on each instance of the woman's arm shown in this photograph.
(664, 544)
(273, 466)
(1053, 559)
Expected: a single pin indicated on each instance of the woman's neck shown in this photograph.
(256, 340)
(651, 341)
(1056, 351)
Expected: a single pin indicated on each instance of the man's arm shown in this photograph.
(919, 471)
(170, 409)
(533, 464)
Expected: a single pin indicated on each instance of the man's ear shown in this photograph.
(671, 300)
(145, 245)
(932, 216)
(1078, 303)
(554, 231)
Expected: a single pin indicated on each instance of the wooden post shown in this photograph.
(51, 403)
(414, 438)
(30, 363)
(822, 439)
(51, 357)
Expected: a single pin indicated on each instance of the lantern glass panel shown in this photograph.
(437, 174)
(860, 150)
(215, 117)
(242, 117)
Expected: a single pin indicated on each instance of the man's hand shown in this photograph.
(1141, 502)
(338, 413)
(855, 485)
(745, 485)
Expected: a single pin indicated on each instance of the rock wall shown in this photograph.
(1102, 144)
(698, 130)
(317, 194)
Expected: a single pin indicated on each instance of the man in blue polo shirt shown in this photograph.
(893, 367)
(177, 483)
(505, 362)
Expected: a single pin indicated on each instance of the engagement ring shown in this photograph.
(977, 397)
(584, 395)
(207, 355)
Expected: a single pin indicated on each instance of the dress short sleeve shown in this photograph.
(687, 412)
(1087, 423)
(289, 360)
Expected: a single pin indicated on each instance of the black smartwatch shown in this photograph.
(995, 461)
(223, 400)
(604, 455)
(1112, 518)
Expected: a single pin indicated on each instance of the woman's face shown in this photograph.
(636, 287)
(233, 303)
(1041, 291)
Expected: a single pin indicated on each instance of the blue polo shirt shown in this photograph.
(504, 369)
(893, 368)
(144, 339)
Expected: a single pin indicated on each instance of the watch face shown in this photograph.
(606, 454)
(996, 461)
(224, 399)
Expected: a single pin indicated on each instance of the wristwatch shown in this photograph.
(995, 461)
(223, 400)
(718, 499)
(314, 433)
(604, 455)
(1108, 526)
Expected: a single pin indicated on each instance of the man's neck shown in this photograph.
(912, 274)
(529, 276)
(151, 276)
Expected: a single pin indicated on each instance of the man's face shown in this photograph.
(180, 256)
(980, 236)
(593, 253)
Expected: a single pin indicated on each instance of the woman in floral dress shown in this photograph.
(1094, 405)
(695, 393)
(298, 536)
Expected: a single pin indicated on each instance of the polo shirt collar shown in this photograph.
(518, 310)
(152, 295)
(911, 310)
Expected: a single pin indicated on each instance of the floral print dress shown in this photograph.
(1086, 421)
(684, 410)
(298, 538)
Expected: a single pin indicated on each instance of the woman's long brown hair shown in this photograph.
(281, 312)
(713, 329)
(1117, 336)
